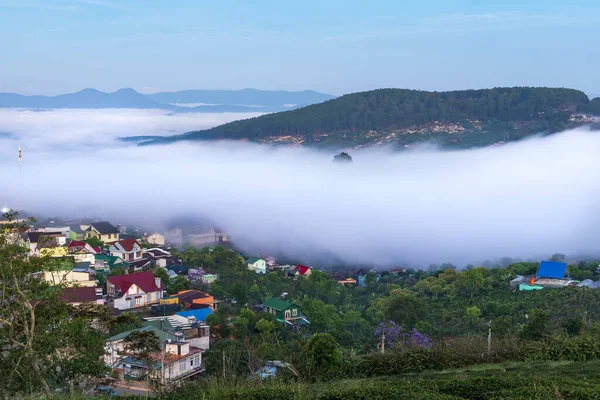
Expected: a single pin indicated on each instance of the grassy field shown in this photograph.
(543, 380)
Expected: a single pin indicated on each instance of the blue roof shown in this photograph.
(199, 314)
(549, 269)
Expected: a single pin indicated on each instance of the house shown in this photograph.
(155, 239)
(362, 276)
(285, 312)
(208, 237)
(134, 290)
(199, 275)
(552, 274)
(160, 257)
(177, 360)
(195, 299)
(78, 295)
(207, 279)
(347, 282)
(271, 261)
(63, 231)
(299, 271)
(76, 233)
(197, 332)
(102, 230)
(174, 237)
(35, 241)
(271, 369)
(69, 274)
(128, 249)
(83, 251)
(257, 265)
(104, 262)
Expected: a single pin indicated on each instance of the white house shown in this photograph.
(127, 249)
(134, 290)
(181, 360)
(257, 265)
(155, 239)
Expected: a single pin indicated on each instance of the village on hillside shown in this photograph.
(102, 264)
(144, 274)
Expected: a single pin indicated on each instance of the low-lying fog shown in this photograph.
(529, 199)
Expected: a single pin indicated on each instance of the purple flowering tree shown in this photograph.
(394, 336)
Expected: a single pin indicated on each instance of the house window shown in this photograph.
(110, 236)
(287, 314)
(170, 370)
(138, 301)
(182, 365)
(197, 360)
(294, 312)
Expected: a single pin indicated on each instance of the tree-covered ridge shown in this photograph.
(386, 109)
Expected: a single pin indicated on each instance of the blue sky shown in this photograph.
(334, 46)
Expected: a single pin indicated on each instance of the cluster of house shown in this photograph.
(268, 264)
(179, 321)
(550, 275)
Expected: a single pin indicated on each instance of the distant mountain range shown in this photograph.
(456, 119)
(246, 100)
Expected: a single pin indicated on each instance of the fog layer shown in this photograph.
(532, 198)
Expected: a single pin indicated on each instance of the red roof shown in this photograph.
(144, 280)
(128, 244)
(302, 269)
(76, 243)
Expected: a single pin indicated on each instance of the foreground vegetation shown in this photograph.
(525, 380)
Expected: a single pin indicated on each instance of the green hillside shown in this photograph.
(462, 118)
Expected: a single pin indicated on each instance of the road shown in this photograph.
(132, 388)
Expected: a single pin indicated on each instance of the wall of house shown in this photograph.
(68, 278)
(85, 257)
(183, 366)
(156, 239)
(54, 251)
(199, 337)
(107, 238)
(128, 301)
(111, 351)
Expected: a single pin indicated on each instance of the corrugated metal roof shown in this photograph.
(199, 314)
(549, 269)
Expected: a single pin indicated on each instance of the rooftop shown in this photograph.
(104, 227)
(277, 304)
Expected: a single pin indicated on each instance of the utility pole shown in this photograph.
(223, 364)
(490, 338)
(162, 364)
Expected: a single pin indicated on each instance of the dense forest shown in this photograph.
(390, 109)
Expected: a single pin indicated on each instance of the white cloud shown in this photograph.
(532, 198)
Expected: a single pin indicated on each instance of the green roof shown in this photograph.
(111, 260)
(252, 260)
(158, 323)
(277, 304)
(162, 335)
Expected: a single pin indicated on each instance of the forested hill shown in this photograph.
(407, 116)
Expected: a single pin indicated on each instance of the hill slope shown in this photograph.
(460, 118)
